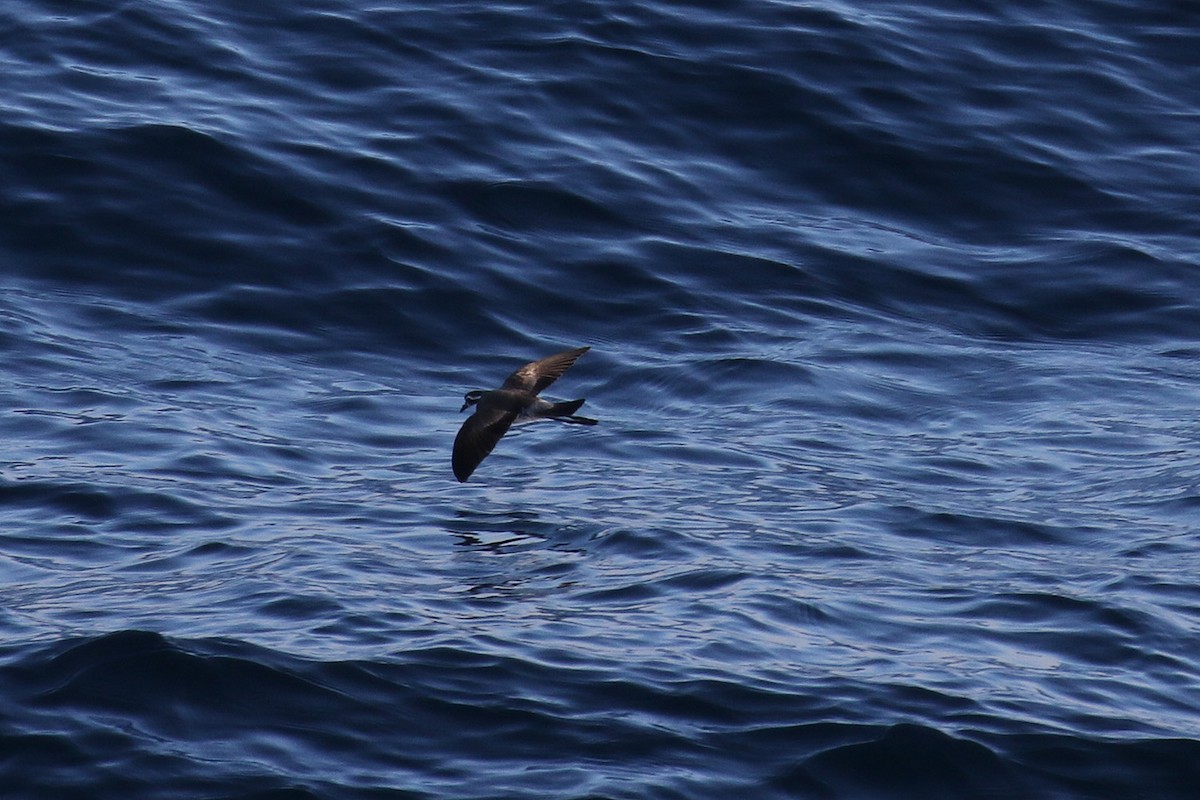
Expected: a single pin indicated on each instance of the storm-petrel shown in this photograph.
(516, 401)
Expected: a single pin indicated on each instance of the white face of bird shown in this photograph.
(471, 398)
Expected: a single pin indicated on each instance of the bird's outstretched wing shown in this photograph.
(477, 437)
(537, 375)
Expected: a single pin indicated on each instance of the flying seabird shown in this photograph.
(515, 401)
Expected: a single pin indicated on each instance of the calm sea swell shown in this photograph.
(893, 322)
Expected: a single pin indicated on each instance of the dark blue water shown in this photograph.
(895, 322)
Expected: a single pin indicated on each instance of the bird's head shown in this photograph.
(470, 399)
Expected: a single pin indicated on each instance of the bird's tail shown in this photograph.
(565, 412)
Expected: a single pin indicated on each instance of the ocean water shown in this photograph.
(894, 315)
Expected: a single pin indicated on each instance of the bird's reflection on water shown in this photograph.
(532, 553)
(498, 530)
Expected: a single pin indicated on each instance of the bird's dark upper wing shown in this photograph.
(537, 375)
(477, 437)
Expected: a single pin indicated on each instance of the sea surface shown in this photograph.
(894, 316)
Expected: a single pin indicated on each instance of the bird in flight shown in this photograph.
(515, 401)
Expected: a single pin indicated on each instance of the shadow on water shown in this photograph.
(498, 530)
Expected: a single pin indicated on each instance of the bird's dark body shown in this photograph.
(517, 399)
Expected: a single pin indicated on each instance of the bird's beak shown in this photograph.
(464, 408)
